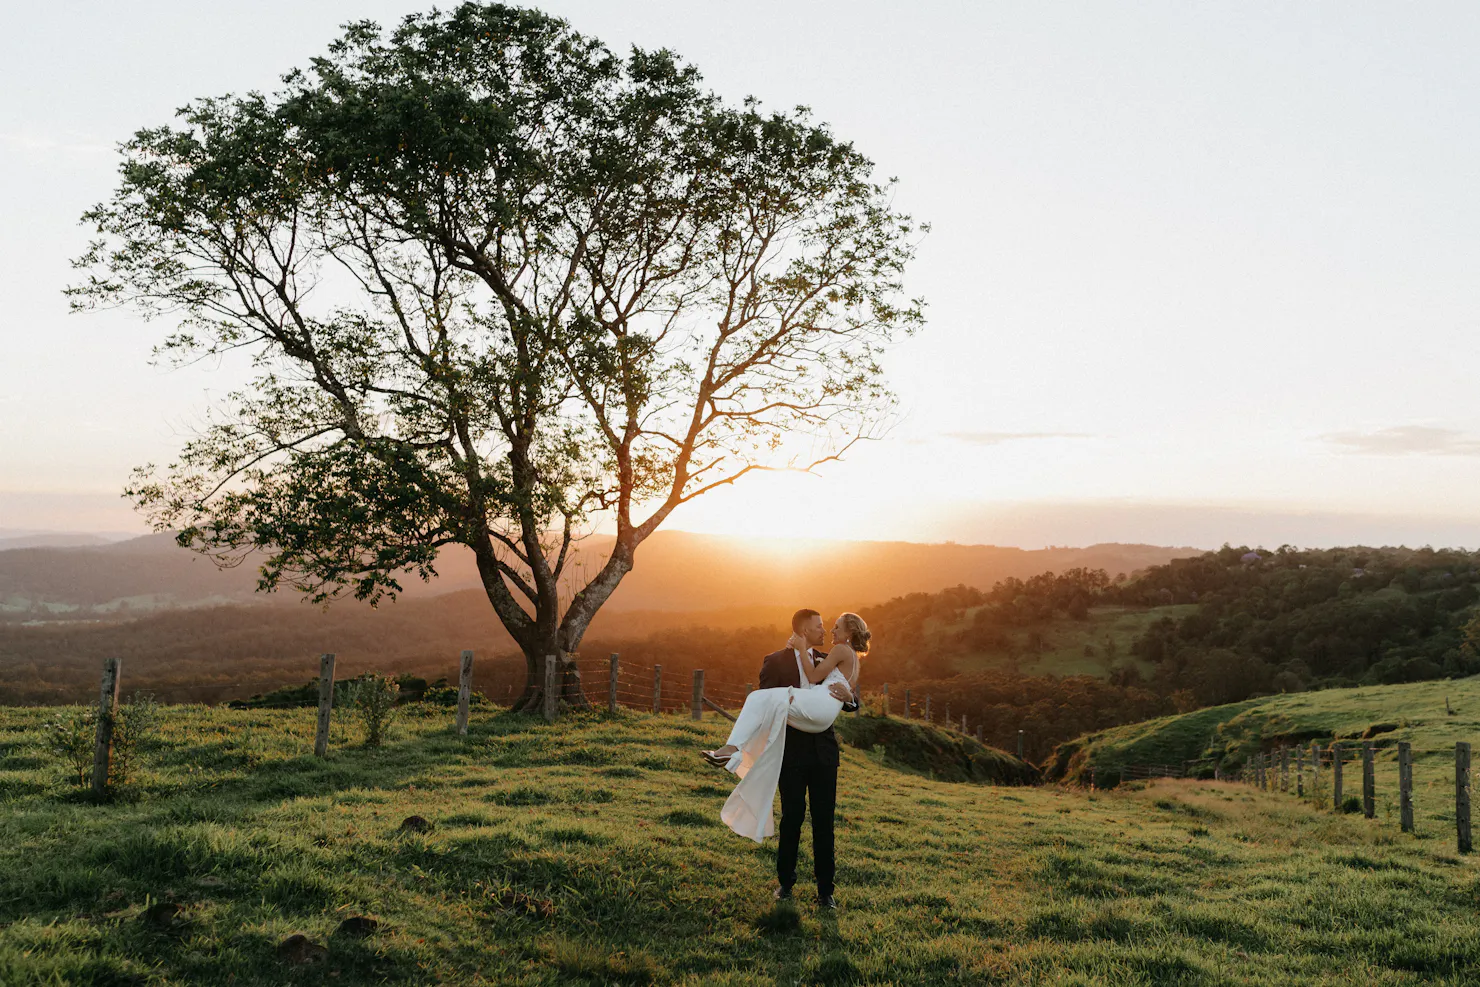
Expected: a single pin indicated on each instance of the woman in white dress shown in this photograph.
(758, 739)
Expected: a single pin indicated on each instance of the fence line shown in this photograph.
(1330, 761)
(636, 687)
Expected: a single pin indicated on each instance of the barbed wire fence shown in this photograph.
(630, 685)
(1367, 776)
(1325, 774)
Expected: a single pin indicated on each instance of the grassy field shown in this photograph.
(1229, 735)
(590, 853)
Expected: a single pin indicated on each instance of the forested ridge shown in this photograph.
(1050, 655)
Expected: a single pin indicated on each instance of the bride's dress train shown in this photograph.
(759, 735)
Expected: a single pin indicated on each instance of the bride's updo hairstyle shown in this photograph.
(857, 632)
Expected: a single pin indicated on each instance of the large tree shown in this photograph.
(500, 286)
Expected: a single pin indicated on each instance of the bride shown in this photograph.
(758, 739)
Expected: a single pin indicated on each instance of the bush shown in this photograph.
(373, 698)
(72, 736)
(136, 720)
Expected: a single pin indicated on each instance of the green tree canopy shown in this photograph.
(498, 284)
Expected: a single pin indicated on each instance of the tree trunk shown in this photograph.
(571, 692)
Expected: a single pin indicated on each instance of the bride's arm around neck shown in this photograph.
(818, 670)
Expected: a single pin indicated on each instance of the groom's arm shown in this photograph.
(770, 677)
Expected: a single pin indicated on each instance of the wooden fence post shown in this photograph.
(963, 722)
(103, 738)
(326, 705)
(1369, 782)
(552, 686)
(1462, 795)
(464, 692)
(947, 718)
(1284, 769)
(657, 688)
(907, 713)
(1315, 769)
(979, 733)
(611, 688)
(1336, 777)
(928, 718)
(886, 698)
(1300, 772)
(1405, 785)
(1020, 745)
(698, 704)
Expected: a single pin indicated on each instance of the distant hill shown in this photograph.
(676, 571)
(49, 539)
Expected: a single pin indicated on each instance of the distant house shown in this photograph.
(1249, 558)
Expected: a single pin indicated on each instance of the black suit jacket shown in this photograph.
(779, 669)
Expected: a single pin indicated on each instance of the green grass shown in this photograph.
(1230, 735)
(1073, 647)
(1065, 640)
(588, 853)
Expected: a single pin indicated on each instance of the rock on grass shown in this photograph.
(299, 950)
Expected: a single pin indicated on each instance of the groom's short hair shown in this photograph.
(801, 617)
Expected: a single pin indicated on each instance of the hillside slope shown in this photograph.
(589, 853)
(1226, 736)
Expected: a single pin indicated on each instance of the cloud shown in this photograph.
(997, 438)
(43, 144)
(1405, 440)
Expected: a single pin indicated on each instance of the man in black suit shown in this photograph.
(809, 767)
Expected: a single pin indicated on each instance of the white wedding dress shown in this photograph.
(759, 736)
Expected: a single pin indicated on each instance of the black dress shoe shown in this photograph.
(781, 894)
(827, 901)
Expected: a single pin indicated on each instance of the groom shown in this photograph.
(809, 767)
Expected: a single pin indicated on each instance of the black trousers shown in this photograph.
(817, 783)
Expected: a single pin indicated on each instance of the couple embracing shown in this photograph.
(783, 739)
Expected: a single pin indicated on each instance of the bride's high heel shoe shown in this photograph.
(717, 759)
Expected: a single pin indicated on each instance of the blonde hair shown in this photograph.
(857, 632)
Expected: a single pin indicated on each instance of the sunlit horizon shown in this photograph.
(1196, 275)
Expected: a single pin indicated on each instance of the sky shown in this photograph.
(1197, 272)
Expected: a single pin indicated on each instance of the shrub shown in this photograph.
(72, 736)
(136, 721)
(373, 699)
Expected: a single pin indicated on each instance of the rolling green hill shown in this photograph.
(1226, 736)
(590, 853)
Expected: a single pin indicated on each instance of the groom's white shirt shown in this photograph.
(802, 672)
